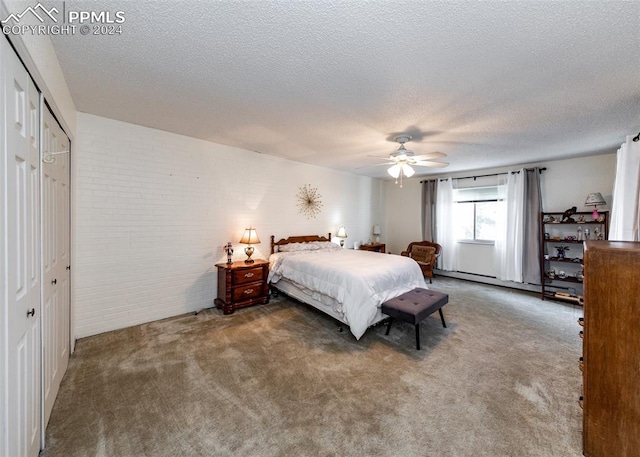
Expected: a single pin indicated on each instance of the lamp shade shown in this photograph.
(250, 237)
(394, 171)
(401, 169)
(376, 230)
(594, 199)
(407, 170)
(342, 232)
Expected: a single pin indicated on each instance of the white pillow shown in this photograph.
(326, 245)
(296, 247)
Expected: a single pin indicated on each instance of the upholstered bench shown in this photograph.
(414, 306)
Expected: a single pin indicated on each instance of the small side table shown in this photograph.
(375, 247)
(242, 284)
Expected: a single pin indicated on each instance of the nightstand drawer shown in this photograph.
(246, 275)
(247, 292)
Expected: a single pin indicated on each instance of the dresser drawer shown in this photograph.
(247, 275)
(247, 292)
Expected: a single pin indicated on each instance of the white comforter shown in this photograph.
(359, 281)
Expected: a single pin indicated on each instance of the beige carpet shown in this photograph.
(279, 380)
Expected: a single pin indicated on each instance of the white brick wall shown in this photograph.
(154, 210)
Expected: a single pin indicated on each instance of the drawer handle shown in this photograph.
(248, 291)
(248, 275)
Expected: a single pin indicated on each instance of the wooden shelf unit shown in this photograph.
(558, 234)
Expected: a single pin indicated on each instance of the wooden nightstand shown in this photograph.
(375, 247)
(242, 284)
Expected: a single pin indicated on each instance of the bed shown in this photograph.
(349, 285)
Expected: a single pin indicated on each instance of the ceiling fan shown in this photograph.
(403, 160)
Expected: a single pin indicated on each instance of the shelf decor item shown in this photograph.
(561, 250)
(229, 250)
(594, 199)
(566, 216)
(249, 237)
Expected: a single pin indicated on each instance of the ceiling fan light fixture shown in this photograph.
(394, 171)
(407, 170)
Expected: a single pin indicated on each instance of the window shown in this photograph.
(475, 212)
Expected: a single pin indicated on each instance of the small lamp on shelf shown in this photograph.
(377, 232)
(594, 199)
(342, 233)
(249, 237)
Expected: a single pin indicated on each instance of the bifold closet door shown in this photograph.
(21, 240)
(56, 298)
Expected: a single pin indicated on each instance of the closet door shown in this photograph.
(22, 248)
(56, 297)
(4, 311)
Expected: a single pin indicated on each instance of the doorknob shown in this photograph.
(55, 281)
(31, 312)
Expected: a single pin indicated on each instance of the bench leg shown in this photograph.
(442, 318)
(389, 326)
(418, 337)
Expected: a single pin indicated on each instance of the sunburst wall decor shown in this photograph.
(309, 201)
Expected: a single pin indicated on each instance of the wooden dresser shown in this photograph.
(242, 284)
(375, 247)
(611, 349)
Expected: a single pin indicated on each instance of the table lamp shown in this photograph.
(594, 199)
(342, 233)
(250, 237)
(377, 232)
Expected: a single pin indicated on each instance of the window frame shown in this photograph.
(476, 240)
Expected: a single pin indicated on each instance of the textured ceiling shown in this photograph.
(330, 82)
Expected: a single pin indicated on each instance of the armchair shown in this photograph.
(425, 253)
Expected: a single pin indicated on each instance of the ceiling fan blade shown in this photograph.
(430, 156)
(375, 165)
(428, 163)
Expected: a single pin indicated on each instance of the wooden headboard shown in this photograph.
(297, 239)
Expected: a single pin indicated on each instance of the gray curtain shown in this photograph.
(531, 242)
(429, 209)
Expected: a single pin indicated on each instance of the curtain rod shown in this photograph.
(491, 174)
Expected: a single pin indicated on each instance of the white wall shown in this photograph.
(564, 184)
(155, 209)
